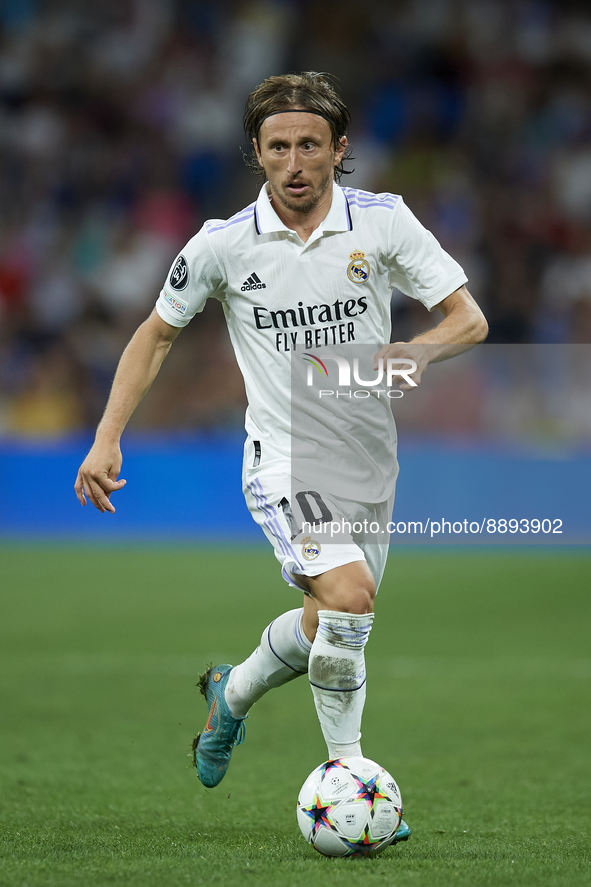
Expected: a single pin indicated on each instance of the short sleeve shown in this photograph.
(419, 266)
(194, 277)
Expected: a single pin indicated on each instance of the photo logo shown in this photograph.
(316, 362)
(394, 369)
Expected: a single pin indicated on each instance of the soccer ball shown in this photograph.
(349, 807)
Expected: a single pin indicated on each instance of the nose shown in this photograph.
(293, 165)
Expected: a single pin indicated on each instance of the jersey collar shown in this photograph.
(338, 218)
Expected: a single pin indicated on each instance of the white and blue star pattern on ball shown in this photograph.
(349, 807)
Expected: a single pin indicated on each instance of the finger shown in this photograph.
(107, 487)
(79, 488)
(115, 485)
(95, 494)
(381, 353)
(99, 491)
(387, 351)
(100, 499)
(404, 386)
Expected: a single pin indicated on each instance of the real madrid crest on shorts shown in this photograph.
(310, 548)
(358, 270)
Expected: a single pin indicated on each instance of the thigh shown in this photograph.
(282, 511)
(375, 546)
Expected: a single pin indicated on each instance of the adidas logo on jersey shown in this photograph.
(253, 283)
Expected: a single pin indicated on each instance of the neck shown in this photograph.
(304, 224)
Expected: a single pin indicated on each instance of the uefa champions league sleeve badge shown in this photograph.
(179, 275)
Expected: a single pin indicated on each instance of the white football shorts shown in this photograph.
(311, 530)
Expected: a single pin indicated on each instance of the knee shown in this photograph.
(356, 598)
(347, 589)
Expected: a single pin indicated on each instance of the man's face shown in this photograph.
(298, 157)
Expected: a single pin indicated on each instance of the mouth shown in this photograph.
(296, 188)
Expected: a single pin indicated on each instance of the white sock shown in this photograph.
(337, 677)
(281, 656)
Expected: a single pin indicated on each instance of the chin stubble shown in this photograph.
(300, 206)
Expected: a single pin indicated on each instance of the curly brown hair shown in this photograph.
(309, 91)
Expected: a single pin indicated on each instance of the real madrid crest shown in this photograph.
(310, 548)
(358, 270)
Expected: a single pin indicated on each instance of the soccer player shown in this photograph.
(309, 266)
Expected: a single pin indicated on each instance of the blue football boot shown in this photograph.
(212, 748)
(403, 832)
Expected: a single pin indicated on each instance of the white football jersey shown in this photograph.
(287, 301)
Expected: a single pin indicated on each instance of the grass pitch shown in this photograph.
(478, 703)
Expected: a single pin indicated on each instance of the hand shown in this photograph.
(405, 355)
(97, 477)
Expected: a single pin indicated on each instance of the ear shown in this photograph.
(340, 150)
(257, 151)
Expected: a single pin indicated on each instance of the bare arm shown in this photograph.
(462, 327)
(138, 367)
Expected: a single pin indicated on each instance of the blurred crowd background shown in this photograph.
(120, 133)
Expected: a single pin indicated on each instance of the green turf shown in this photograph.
(478, 702)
